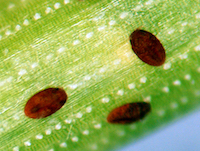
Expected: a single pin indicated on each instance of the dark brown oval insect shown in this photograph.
(147, 47)
(45, 103)
(129, 113)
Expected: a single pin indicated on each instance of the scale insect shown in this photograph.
(129, 113)
(45, 103)
(147, 47)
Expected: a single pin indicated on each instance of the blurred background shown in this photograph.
(181, 135)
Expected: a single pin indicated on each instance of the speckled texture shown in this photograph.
(83, 47)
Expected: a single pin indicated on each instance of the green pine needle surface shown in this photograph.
(83, 46)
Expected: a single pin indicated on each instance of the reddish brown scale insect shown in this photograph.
(129, 113)
(147, 47)
(45, 103)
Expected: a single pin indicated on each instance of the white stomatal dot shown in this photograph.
(16, 117)
(26, 22)
(183, 56)
(197, 48)
(123, 15)
(86, 132)
(171, 31)
(112, 22)
(48, 132)
(97, 126)
(11, 5)
(143, 80)
(87, 77)
(27, 143)
(76, 42)
(37, 16)
(105, 100)
(131, 86)
(48, 10)
(147, 99)
(177, 82)
(167, 66)
(117, 61)
(187, 77)
(57, 5)
(75, 139)
(58, 126)
(63, 145)
(18, 27)
(120, 92)
(89, 35)
(62, 49)
(39, 136)
(73, 86)
(101, 28)
(8, 32)
(22, 72)
(68, 121)
(34, 65)
(88, 109)
(79, 115)
(165, 89)
(66, 1)
(102, 70)
(16, 148)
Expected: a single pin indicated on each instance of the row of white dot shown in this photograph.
(167, 66)
(57, 6)
(132, 86)
(174, 105)
(36, 17)
(48, 132)
(58, 127)
(142, 80)
(184, 100)
(85, 132)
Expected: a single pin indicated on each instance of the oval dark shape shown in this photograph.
(45, 103)
(147, 47)
(129, 113)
